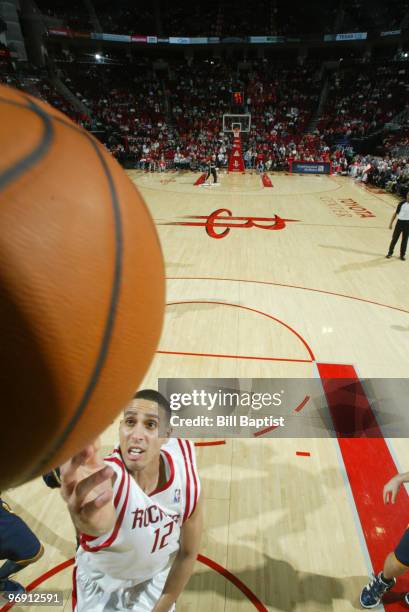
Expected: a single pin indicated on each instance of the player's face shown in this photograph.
(139, 439)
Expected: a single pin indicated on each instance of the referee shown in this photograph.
(211, 169)
(401, 227)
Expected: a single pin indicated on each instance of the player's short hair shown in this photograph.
(154, 396)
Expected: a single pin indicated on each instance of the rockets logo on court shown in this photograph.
(220, 222)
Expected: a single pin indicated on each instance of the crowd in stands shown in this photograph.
(5, 58)
(397, 142)
(363, 98)
(160, 119)
(230, 18)
(73, 14)
(318, 18)
(127, 17)
(174, 120)
(37, 84)
(186, 18)
(389, 173)
(360, 16)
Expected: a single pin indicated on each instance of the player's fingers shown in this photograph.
(386, 495)
(91, 507)
(69, 468)
(84, 487)
(394, 494)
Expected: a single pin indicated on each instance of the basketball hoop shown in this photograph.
(236, 132)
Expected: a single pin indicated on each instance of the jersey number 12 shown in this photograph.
(166, 531)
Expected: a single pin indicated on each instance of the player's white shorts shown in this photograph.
(142, 597)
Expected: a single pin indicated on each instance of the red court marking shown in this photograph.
(350, 410)
(264, 431)
(211, 443)
(260, 312)
(234, 580)
(261, 432)
(266, 180)
(241, 280)
(303, 403)
(369, 465)
(201, 179)
(303, 454)
(205, 560)
(233, 356)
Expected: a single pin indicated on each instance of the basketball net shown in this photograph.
(236, 132)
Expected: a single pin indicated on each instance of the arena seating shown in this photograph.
(363, 98)
(227, 18)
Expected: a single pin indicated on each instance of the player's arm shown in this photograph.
(392, 487)
(86, 487)
(184, 562)
(392, 220)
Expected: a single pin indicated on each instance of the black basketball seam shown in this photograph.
(113, 302)
(25, 164)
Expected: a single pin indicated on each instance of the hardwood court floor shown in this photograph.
(264, 303)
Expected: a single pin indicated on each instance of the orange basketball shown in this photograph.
(81, 287)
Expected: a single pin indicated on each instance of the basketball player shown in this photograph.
(401, 227)
(18, 545)
(211, 169)
(139, 515)
(396, 563)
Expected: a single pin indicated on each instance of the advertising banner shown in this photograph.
(116, 37)
(59, 31)
(138, 38)
(179, 40)
(352, 36)
(307, 167)
(266, 39)
(199, 40)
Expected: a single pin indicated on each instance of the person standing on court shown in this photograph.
(401, 227)
(211, 169)
(396, 563)
(138, 512)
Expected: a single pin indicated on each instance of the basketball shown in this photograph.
(81, 287)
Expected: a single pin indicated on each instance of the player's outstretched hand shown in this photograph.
(86, 486)
(391, 489)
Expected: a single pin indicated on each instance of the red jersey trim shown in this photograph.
(187, 500)
(196, 488)
(87, 538)
(171, 475)
(117, 527)
(74, 589)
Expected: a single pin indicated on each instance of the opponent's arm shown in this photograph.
(86, 487)
(184, 562)
(392, 487)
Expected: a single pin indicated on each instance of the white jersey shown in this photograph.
(403, 211)
(129, 565)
